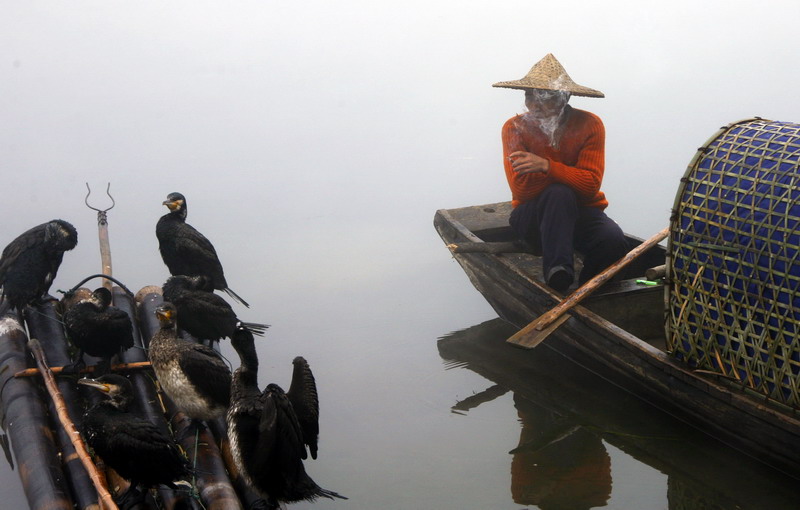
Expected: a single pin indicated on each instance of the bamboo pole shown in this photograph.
(117, 367)
(213, 484)
(44, 323)
(249, 498)
(25, 419)
(106, 268)
(654, 273)
(102, 231)
(75, 437)
(105, 247)
(147, 396)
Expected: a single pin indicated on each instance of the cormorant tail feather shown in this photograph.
(255, 328)
(236, 297)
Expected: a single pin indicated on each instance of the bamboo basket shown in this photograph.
(733, 293)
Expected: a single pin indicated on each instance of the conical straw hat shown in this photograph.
(549, 74)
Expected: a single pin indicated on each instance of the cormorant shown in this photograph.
(201, 313)
(193, 376)
(136, 449)
(186, 251)
(265, 436)
(98, 329)
(303, 396)
(30, 262)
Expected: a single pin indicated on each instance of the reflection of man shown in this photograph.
(557, 464)
(554, 157)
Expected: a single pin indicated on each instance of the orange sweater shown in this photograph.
(578, 161)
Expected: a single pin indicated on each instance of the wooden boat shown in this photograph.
(619, 332)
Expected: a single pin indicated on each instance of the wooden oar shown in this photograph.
(540, 328)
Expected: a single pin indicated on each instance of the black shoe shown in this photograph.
(560, 280)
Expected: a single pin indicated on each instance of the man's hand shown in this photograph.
(528, 163)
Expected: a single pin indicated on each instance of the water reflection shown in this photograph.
(570, 418)
(557, 464)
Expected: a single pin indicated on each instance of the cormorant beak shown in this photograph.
(173, 204)
(163, 314)
(105, 388)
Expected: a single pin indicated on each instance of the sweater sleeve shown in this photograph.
(586, 175)
(526, 186)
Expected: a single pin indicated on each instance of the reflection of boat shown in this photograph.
(558, 399)
(618, 331)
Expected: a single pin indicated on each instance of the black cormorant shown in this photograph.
(134, 447)
(193, 376)
(201, 313)
(303, 396)
(265, 437)
(30, 262)
(185, 250)
(98, 329)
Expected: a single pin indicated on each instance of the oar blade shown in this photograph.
(533, 337)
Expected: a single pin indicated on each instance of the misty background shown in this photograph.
(313, 119)
(315, 140)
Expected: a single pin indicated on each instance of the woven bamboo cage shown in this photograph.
(733, 299)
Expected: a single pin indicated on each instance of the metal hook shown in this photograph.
(89, 192)
(101, 213)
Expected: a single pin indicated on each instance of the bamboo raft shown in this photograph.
(41, 429)
(51, 472)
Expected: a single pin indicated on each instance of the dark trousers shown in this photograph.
(555, 223)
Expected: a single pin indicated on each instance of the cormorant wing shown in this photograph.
(79, 319)
(32, 238)
(210, 305)
(303, 396)
(267, 423)
(205, 368)
(193, 246)
(119, 322)
(137, 449)
(287, 427)
(133, 434)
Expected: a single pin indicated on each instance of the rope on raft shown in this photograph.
(72, 291)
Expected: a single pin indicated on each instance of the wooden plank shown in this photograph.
(490, 247)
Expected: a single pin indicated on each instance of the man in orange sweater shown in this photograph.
(554, 157)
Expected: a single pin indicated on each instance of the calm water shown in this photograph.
(410, 421)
